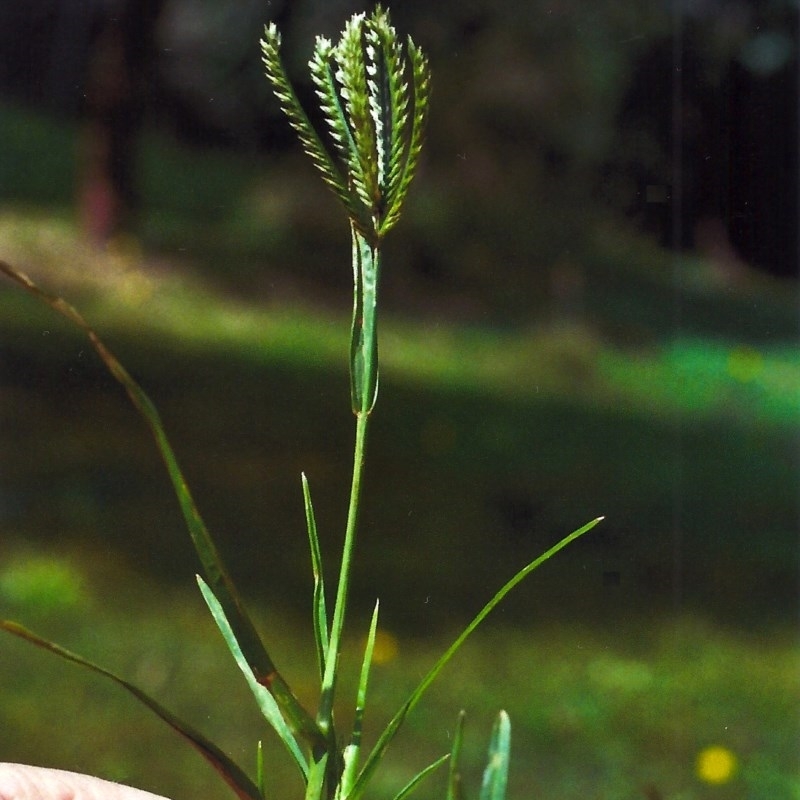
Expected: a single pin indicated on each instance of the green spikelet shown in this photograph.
(373, 93)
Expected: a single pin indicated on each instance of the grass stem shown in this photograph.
(325, 715)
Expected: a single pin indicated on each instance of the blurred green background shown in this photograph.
(590, 307)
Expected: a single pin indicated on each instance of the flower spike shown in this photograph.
(373, 94)
(298, 119)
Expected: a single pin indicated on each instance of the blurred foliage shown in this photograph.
(549, 121)
(40, 584)
(497, 437)
(625, 708)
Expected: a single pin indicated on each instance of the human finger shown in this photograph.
(25, 782)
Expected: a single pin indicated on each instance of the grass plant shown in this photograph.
(619, 704)
(373, 93)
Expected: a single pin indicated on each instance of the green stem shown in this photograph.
(325, 715)
(364, 388)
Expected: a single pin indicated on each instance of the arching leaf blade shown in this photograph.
(419, 777)
(231, 773)
(266, 702)
(319, 610)
(396, 722)
(453, 772)
(215, 571)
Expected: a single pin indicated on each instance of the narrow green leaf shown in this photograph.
(454, 775)
(266, 702)
(316, 778)
(227, 769)
(213, 566)
(417, 779)
(349, 769)
(353, 750)
(495, 776)
(396, 722)
(320, 614)
(260, 768)
(361, 697)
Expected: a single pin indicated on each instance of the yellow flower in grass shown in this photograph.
(715, 765)
(385, 647)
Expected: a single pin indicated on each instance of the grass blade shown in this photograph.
(396, 722)
(353, 750)
(316, 778)
(495, 776)
(454, 775)
(319, 608)
(213, 566)
(260, 768)
(266, 702)
(361, 696)
(231, 773)
(417, 779)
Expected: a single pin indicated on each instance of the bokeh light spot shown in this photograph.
(385, 649)
(716, 765)
(745, 364)
(42, 582)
